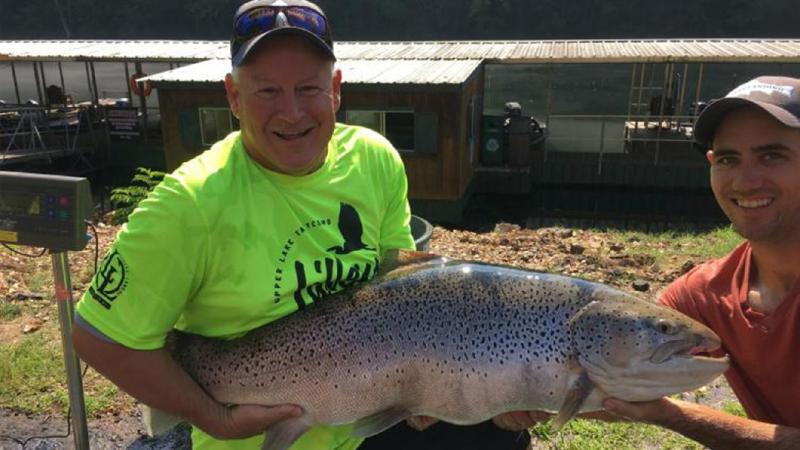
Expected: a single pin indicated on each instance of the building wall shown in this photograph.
(175, 101)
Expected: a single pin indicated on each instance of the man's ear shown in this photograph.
(710, 156)
(336, 89)
(232, 93)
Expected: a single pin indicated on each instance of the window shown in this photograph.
(397, 126)
(215, 124)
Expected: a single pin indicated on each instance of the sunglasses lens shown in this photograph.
(307, 19)
(258, 21)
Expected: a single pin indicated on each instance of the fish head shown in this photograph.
(637, 350)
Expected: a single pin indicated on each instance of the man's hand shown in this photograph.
(241, 421)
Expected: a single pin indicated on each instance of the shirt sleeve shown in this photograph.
(396, 223)
(151, 271)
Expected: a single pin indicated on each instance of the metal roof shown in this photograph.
(552, 51)
(561, 51)
(113, 50)
(373, 71)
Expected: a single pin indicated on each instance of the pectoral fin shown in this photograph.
(579, 389)
(374, 424)
(283, 434)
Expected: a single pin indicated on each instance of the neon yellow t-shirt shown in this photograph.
(223, 246)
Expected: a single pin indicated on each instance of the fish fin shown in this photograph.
(380, 421)
(157, 422)
(283, 434)
(579, 389)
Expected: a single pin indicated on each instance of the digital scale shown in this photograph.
(51, 211)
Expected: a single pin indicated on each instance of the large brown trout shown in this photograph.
(456, 340)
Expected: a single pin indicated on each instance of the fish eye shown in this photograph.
(665, 327)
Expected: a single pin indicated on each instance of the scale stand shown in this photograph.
(50, 211)
(71, 362)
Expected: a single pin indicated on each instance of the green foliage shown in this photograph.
(9, 310)
(126, 199)
(734, 408)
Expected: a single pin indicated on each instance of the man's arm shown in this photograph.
(156, 380)
(712, 428)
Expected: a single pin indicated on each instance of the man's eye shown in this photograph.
(268, 92)
(309, 90)
(726, 160)
(774, 156)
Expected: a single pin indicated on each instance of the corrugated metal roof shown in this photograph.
(565, 51)
(353, 71)
(676, 50)
(113, 50)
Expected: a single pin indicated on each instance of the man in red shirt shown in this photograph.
(751, 297)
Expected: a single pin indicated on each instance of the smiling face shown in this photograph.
(755, 175)
(286, 96)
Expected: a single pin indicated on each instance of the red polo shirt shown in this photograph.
(764, 348)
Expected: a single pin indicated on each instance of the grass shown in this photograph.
(9, 310)
(581, 434)
(664, 246)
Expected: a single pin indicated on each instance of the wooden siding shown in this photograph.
(171, 102)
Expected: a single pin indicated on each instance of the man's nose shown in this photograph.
(290, 107)
(749, 178)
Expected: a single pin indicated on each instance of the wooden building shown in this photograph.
(430, 110)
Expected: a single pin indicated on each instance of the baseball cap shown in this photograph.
(777, 96)
(258, 20)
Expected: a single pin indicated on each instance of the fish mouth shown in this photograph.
(685, 348)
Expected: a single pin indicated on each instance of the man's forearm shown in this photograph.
(151, 377)
(719, 430)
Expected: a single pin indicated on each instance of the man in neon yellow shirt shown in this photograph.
(269, 220)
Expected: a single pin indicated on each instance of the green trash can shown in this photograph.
(492, 149)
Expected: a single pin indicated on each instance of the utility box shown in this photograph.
(492, 149)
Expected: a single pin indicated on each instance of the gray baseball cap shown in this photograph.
(777, 96)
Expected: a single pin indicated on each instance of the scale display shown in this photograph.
(44, 210)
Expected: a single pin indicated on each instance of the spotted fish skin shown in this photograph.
(456, 340)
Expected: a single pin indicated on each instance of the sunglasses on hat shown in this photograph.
(266, 18)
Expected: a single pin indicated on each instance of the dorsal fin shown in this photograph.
(401, 261)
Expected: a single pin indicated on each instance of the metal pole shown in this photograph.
(128, 82)
(38, 83)
(71, 362)
(697, 90)
(89, 83)
(142, 102)
(94, 84)
(44, 84)
(16, 85)
(61, 75)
